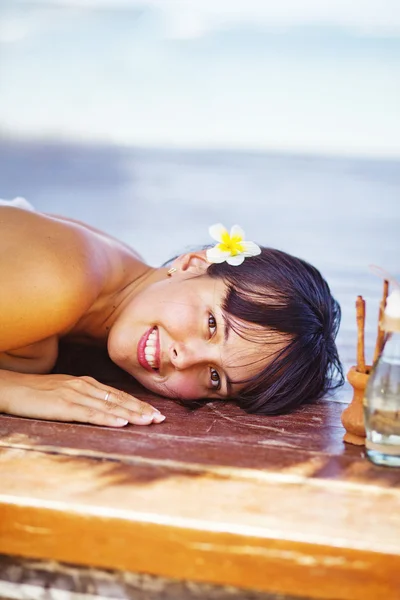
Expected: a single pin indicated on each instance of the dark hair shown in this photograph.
(279, 293)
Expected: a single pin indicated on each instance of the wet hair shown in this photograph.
(276, 293)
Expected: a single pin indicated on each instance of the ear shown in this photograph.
(193, 263)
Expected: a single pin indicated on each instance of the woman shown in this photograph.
(261, 332)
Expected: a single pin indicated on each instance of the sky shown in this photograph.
(294, 75)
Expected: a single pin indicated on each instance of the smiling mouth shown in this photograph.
(149, 350)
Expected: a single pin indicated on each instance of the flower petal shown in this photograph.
(251, 249)
(237, 232)
(235, 260)
(217, 231)
(215, 255)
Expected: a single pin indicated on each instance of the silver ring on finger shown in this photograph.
(106, 397)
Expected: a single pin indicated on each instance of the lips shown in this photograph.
(148, 350)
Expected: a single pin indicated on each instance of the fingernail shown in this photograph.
(120, 421)
(147, 417)
(159, 418)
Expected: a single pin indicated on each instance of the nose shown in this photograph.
(186, 355)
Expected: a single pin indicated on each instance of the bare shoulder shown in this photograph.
(50, 275)
(134, 253)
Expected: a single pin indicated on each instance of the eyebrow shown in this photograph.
(227, 330)
(227, 327)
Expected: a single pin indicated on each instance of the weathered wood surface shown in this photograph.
(274, 532)
(275, 504)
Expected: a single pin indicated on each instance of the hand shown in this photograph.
(67, 398)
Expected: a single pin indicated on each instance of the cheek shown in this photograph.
(121, 347)
(175, 311)
(186, 385)
(180, 322)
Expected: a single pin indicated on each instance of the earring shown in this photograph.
(170, 271)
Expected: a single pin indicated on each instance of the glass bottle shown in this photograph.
(382, 394)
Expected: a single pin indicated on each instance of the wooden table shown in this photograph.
(271, 505)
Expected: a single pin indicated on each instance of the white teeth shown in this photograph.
(150, 349)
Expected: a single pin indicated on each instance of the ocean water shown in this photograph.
(341, 214)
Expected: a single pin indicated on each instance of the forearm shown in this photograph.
(36, 358)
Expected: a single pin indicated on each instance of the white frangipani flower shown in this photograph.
(231, 246)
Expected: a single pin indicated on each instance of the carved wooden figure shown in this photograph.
(353, 416)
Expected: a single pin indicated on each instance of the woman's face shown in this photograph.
(173, 338)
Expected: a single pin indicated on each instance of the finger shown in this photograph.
(133, 409)
(69, 411)
(133, 405)
(65, 410)
(87, 386)
(113, 398)
(115, 402)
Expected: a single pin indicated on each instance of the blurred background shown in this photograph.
(153, 119)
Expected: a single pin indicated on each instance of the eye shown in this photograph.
(215, 379)
(212, 324)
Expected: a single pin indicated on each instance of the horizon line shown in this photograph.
(220, 148)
